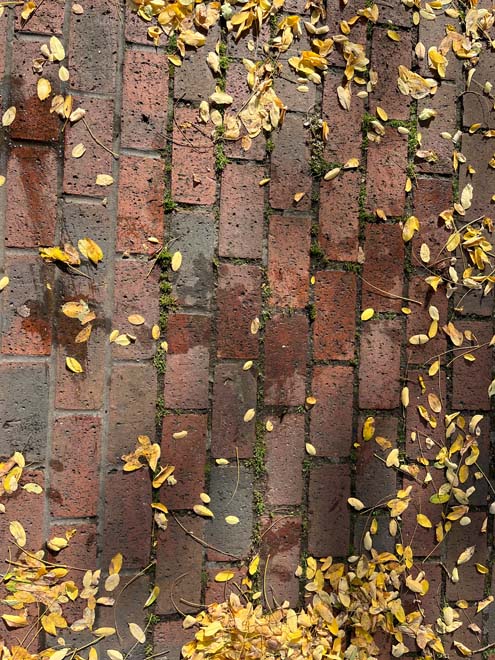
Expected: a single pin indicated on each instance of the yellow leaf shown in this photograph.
(175, 60)
(298, 196)
(15, 621)
(331, 174)
(367, 314)
(137, 632)
(4, 282)
(224, 576)
(232, 520)
(17, 531)
(484, 603)
(73, 365)
(112, 582)
(104, 180)
(176, 262)
(249, 414)
(57, 543)
(424, 521)
(222, 461)
(57, 49)
(411, 225)
(8, 116)
(2, 180)
(221, 98)
(310, 449)
(434, 367)
(27, 9)
(78, 151)
(355, 503)
(466, 555)
(381, 113)
(253, 565)
(105, 631)
(393, 35)
(43, 88)
(255, 326)
(418, 340)
(201, 510)
(351, 164)
(83, 335)
(89, 249)
(179, 435)
(247, 365)
(136, 319)
(155, 332)
(482, 569)
(63, 74)
(368, 428)
(32, 488)
(153, 596)
(116, 564)
(263, 182)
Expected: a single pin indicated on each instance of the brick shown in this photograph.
(127, 506)
(335, 324)
(134, 31)
(28, 508)
(386, 56)
(284, 457)
(417, 445)
(47, 19)
(235, 539)
(431, 197)
(478, 152)
(289, 166)
(431, 34)
(74, 476)
(329, 488)
(331, 417)
(218, 592)
(80, 173)
(338, 234)
(196, 238)
(193, 161)
(81, 551)
(256, 151)
(336, 12)
(31, 196)
(374, 480)
(419, 321)
(379, 385)
(475, 107)
(386, 178)
(234, 392)
(288, 260)
(471, 583)
(282, 542)
(345, 137)
(238, 48)
(241, 211)
(194, 80)
(144, 113)
(92, 33)
(471, 379)
(3, 45)
(444, 102)
(170, 635)
(33, 119)
(397, 14)
(176, 551)
(286, 88)
(136, 292)
(383, 267)
(421, 539)
(24, 409)
(27, 307)
(137, 384)
(238, 303)
(189, 457)
(474, 302)
(286, 349)
(187, 374)
(140, 210)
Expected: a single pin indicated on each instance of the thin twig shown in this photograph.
(98, 142)
(389, 294)
(201, 541)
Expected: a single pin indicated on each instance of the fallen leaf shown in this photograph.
(104, 180)
(8, 116)
(73, 365)
(176, 261)
(137, 632)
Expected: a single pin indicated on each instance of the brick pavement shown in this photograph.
(305, 270)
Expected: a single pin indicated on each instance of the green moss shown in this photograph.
(311, 311)
(258, 503)
(257, 462)
(221, 160)
(160, 364)
(270, 145)
(160, 408)
(153, 619)
(168, 203)
(352, 267)
(172, 44)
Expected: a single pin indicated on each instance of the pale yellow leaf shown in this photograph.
(73, 365)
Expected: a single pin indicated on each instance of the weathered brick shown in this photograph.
(345, 137)
(476, 107)
(241, 211)
(420, 538)
(3, 46)
(74, 475)
(331, 417)
(335, 324)
(282, 542)
(218, 592)
(194, 80)
(131, 610)
(288, 260)
(47, 19)
(189, 457)
(339, 217)
(24, 409)
(431, 197)
(81, 551)
(379, 385)
(31, 196)
(92, 33)
(127, 507)
(374, 480)
(478, 152)
(196, 237)
(284, 456)
(239, 303)
(234, 392)
(170, 635)
(286, 348)
(383, 267)
(386, 56)
(27, 307)
(193, 161)
(289, 166)
(187, 376)
(144, 112)
(175, 551)
(80, 173)
(444, 102)
(288, 89)
(387, 173)
(471, 583)
(137, 384)
(328, 512)
(134, 32)
(418, 322)
(431, 34)
(417, 445)
(27, 508)
(394, 13)
(471, 379)
(140, 210)
(235, 539)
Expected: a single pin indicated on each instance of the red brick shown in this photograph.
(345, 137)
(476, 107)
(386, 178)
(134, 384)
(281, 547)
(431, 34)
(80, 173)
(478, 152)
(471, 379)
(383, 267)
(335, 324)
(47, 19)
(218, 592)
(444, 102)
(127, 507)
(27, 307)
(419, 320)
(31, 196)
(416, 424)
(194, 80)
(328, 512)
(241, 211)
(3, 45)
(331, 417)
(386, 56)
(379, 385)
(234, 392)
(81, 551)
(92, 33)
(189, 457)
(193, 161)
(471, 583)
(130, 609)
(374, 480)
(29, 510)
(431, 197)
(422, 540)
(140, 210)
(288, 260)
(284, 456)
(286, 348)
(397, 14)
(187, 374)
(474, 302)
(339, 217)
(136, 292)
(33, 119)
(171, 636)
(336, 12)
(239, 303)
(144, 113)
(74, 475)
(289, 166)
(179, 564)
(134, 31)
